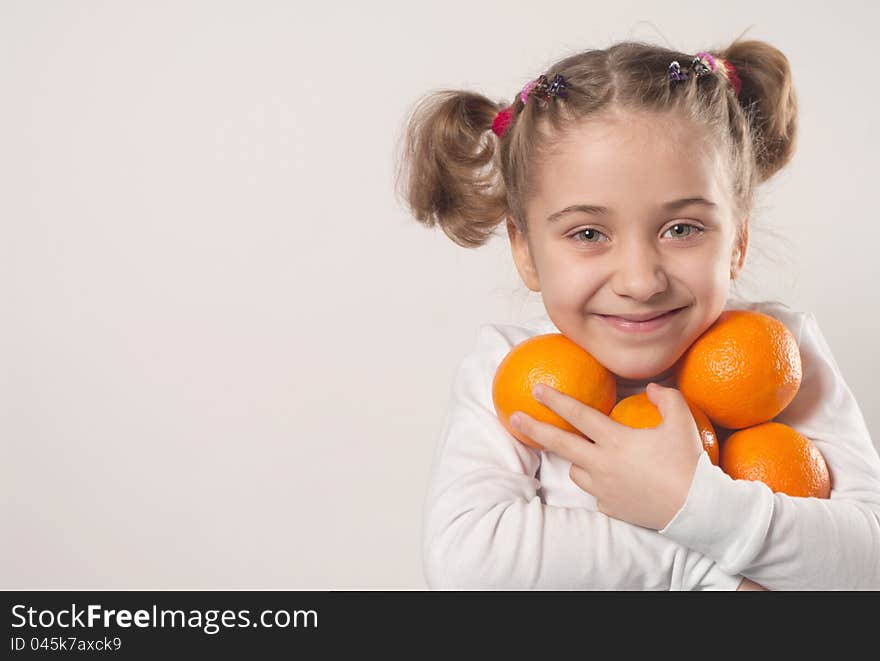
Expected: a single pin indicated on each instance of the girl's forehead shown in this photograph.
(640, 138)
(635, 158)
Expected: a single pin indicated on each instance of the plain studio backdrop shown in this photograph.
(227, 349)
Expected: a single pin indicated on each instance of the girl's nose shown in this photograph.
(639, 274)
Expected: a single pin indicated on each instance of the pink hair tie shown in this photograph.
(703, 55)
(702, 65)
(526, 90)
(542, 88)
(502, 120)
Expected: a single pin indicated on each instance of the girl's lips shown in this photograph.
(641, 326)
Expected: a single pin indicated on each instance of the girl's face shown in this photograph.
(643, 254)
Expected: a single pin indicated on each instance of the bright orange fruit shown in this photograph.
(559, 362)
(780, 457)
(743, 370)
(639, 412)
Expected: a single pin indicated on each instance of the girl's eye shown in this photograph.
(679, 230)
(679, 227)
(590, 234)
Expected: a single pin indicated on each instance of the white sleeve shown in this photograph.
(485, 525)
(787, 543)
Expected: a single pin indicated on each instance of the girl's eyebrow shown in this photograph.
(674, 205)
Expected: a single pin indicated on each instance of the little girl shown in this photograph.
(626, 178)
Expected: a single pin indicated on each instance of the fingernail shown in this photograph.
(515, 420)
(538, 391)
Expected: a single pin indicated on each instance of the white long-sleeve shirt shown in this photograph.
(501, 515)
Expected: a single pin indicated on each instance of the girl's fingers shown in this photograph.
(669, 401)
(581, 478)
(576, 449)
(591, 422)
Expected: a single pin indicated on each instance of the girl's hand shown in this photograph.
(747, 585)
(641, 476)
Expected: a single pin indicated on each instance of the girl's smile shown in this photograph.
(643, 323)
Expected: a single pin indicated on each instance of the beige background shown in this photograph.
(226, 348)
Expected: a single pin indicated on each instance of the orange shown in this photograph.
(639, 412)
(743, 370)
(559, 362)
(778, 456)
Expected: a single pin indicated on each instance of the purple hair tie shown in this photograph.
(701, 65)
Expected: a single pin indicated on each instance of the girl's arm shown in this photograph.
(486, 526)
(787, 543)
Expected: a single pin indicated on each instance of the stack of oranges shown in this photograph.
(739, 375)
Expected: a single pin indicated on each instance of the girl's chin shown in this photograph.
(643, 373)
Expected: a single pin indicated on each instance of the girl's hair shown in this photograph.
(455, 171)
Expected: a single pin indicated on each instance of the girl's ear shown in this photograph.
(522, 257)
(739, 255)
